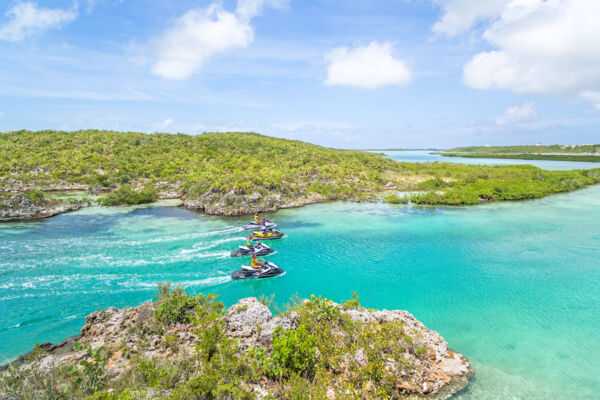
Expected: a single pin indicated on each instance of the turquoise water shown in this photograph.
(426, 156)
(514, 286)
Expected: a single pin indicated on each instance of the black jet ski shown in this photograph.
(256, 225)
(267, 234)
(260, 249)
(268, 270)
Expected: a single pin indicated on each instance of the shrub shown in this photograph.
(353, 304)
(158, 375)
(293, 352)
(90, 377)
(321, 309)
(174, 305)
(126, 195)
(394, 199)
(36, 196)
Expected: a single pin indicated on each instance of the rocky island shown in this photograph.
(244, 173)
(190, 347)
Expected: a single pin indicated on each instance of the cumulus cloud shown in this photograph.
(200, 34)
(541, 47)
(517, 114)
(460, 15)
(368, 67)
(26, 19)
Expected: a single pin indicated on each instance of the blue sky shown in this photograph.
(347, 74)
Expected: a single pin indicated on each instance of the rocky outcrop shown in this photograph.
(442, 373)
(232, 204)
(132, 332)
(18, 207)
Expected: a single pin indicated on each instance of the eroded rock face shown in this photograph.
(246, 318)
(18, 207)
(133, 331)
(235, 204)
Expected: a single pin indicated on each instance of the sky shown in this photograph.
(339, 73)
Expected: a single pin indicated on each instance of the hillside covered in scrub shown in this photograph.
(190, 347)
(241, 173)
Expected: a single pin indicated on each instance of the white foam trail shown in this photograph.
(172, 238)
(214, 280)
(209, 245)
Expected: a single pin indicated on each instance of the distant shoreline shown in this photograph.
(550, 157)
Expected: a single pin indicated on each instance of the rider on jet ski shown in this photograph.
(257, 263)
(250, 243)
(260, 221)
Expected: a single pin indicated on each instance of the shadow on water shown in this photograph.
(163, 211)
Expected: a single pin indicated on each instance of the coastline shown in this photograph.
(231, 205)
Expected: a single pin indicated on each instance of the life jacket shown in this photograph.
(250, 243)
(256, 218)
(254, 262)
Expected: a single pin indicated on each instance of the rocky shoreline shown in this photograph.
(18, 207)
(131, 334)
(229, 204)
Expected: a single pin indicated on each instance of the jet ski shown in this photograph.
(256, 225)
(260, 250)
(267, 234)
(268, 270)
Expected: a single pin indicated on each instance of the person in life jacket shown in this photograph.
(249, 242)
(260, 221)
(257, 263)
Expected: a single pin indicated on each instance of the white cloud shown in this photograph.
(166, 123)
(201, 34)
(368, 67)
(542, 47)
(593, 98)
(517, 115)
(26, 19)
(460, 15)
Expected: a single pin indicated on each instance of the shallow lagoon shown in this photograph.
(514, 286)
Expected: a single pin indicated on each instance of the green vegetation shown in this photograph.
(557, 148)
(127, 195)
(36, 197)
(302, 363)
(245, 172)
(517, 156)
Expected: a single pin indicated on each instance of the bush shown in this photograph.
(174, 305)
(126, 195)
(90, 378)
(158, 375)
(36, 196)
(353, 304)
(293, 352)
(394, 199)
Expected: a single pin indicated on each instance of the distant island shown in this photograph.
(243, 173)
(526, 156)
(574, 152)
(533, 149)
